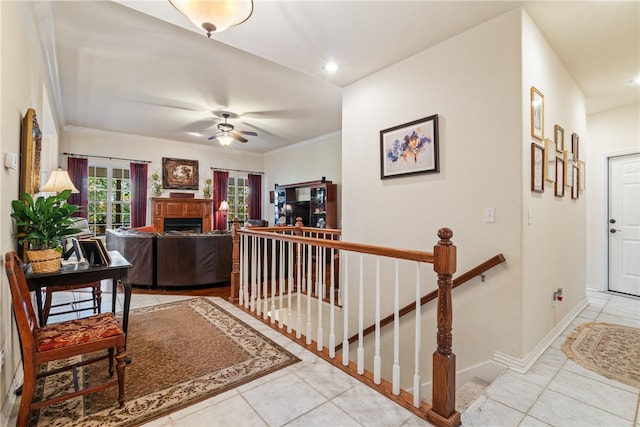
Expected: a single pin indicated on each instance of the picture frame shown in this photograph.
(30, 152)
(95, 252)
(574, 146)
(568, 166)
(575, 188)
(558, 135)
(537, 114)
(537, 168)
(559, 185)
(179, 174)
(549, 160)
(410, 148)
(582, 173)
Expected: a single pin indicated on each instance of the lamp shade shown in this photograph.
(59, 181)
(225, 139)
(224, 206)
(214, 16)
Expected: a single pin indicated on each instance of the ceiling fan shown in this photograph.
(227, 133)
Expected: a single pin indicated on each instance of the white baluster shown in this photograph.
(299, 288)
(345, 309)
(321, 273)
(242, 263)
(273, 282)
(253, 273)
(290, 285)
(361, 319)
(265, 279)
(309, 292)
(396, 335)
(417, 399)
(332, 333)
(376, 356)
(281, 285)
(258, 261)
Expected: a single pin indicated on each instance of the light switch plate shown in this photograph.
(489, 214)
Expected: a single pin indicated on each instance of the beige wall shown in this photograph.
(22, 79)
(101, 143)
(611, 133)
(302, 162)
(478, 83)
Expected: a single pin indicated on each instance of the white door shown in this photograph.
(624, 224)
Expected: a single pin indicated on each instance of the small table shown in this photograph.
(77, 274)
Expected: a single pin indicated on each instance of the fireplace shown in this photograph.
(186, 225)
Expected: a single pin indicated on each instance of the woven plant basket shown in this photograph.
(44, 261)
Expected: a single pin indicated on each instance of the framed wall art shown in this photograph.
(179, 174)
(568, 166)
(410, 148)
(537, 114)
(30, 151)
(558, 135)
(582, 175)
(559, 186)
(574, 146)
(575, 188)
(549, 160)
(537, 168)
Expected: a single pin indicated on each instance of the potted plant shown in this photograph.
(41, 226)
(157, 184)
(206, 190)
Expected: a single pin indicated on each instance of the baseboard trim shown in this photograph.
(524, 364)
(9, 402)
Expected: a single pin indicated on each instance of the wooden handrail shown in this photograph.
(465, 277)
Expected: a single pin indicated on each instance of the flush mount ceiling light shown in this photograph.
(214, 16)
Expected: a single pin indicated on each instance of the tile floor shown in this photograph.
(555, 391)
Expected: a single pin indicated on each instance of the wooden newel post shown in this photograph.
(235, 262)
(299, 226)
(443, 410)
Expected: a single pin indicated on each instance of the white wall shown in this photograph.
(478, 83)
(22, 79)
(101, 143)
(302, 162)
(611, 133)
(553, 249)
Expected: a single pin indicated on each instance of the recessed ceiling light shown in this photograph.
(331, 67)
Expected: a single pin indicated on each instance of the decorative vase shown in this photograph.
(44, 260)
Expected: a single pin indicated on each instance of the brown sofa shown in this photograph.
(174, 259)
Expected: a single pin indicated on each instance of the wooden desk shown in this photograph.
(73, 274)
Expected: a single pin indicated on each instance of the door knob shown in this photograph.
(613, 230)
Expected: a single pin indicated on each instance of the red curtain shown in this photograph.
(254, 204)
(138, 194)
(220, 183)
(78, 170)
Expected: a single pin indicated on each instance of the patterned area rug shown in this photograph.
(612, 351)
(182, 352)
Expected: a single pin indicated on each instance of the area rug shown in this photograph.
(612, 351)
(182, 352)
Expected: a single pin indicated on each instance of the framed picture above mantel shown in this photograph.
(180, 174)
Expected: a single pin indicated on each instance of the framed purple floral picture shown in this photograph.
(410, 148)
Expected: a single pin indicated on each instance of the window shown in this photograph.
(237, 197)
(109, 198)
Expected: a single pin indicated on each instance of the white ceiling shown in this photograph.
(140, 67)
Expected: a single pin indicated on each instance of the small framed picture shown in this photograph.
(549, 160)
(582, 175)
(559, 186)
(575, 188)
(537, 114)
(574, 146)
(537, 168)
(568, 166)
(558, 134)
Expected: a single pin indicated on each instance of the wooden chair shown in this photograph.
(75, 306)
(60, 341)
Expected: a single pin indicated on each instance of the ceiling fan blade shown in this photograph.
(246, 132)
(237, 137)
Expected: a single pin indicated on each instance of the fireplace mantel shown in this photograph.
(173, 207)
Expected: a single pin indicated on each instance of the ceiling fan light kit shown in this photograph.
(214, 16)
(227, 133)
